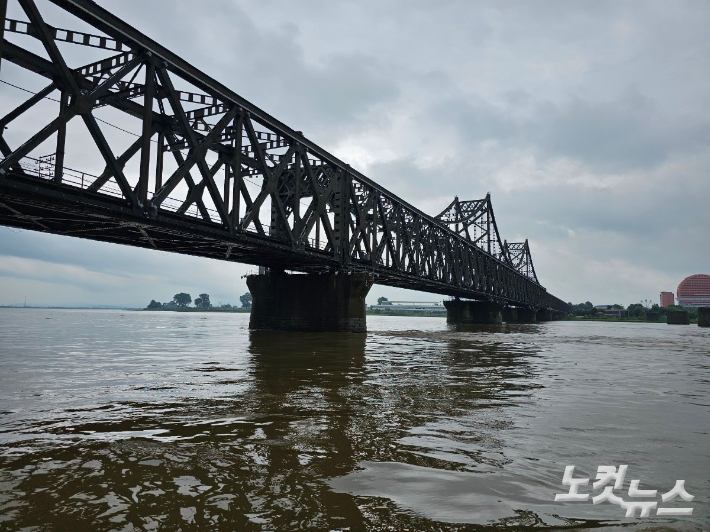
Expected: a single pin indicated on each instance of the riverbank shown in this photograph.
(615, 319)
(37, 307)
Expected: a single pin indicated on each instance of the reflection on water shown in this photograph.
(160, 421)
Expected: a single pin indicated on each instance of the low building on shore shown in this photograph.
(425, 308)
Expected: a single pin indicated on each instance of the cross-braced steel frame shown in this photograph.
(215, 176)
(475, 220)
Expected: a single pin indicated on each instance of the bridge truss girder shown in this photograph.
(241, 186)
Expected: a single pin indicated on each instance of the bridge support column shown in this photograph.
(704, 317)
(309, 302)
(543, 314)
(527, 315)
(510, 315)
(519, 315)
(678, 317)
(482, 312)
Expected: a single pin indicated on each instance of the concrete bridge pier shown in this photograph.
(543, 314)
(519, 315)
(473, 312)
(704, 317)
(312, 302)
(678, 317)
(510, 315)
(527, 315)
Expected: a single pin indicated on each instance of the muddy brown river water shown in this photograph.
(125, 420)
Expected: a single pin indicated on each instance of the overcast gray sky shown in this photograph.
(588, 122)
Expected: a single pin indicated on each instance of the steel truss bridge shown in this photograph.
(208, 173)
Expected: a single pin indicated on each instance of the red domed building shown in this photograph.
(694, 291)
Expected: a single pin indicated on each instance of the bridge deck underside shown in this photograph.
(34, 204)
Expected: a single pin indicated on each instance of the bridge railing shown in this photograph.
(44, 168)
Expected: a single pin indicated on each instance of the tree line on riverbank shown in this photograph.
(636, 311)
(182, 301)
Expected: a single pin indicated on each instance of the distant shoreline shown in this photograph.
(238, 310)
(188, 309)
(620, 320)
(37, 307)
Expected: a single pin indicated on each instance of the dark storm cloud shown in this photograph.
(475, 119)
(629, 133)
(268, 65)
